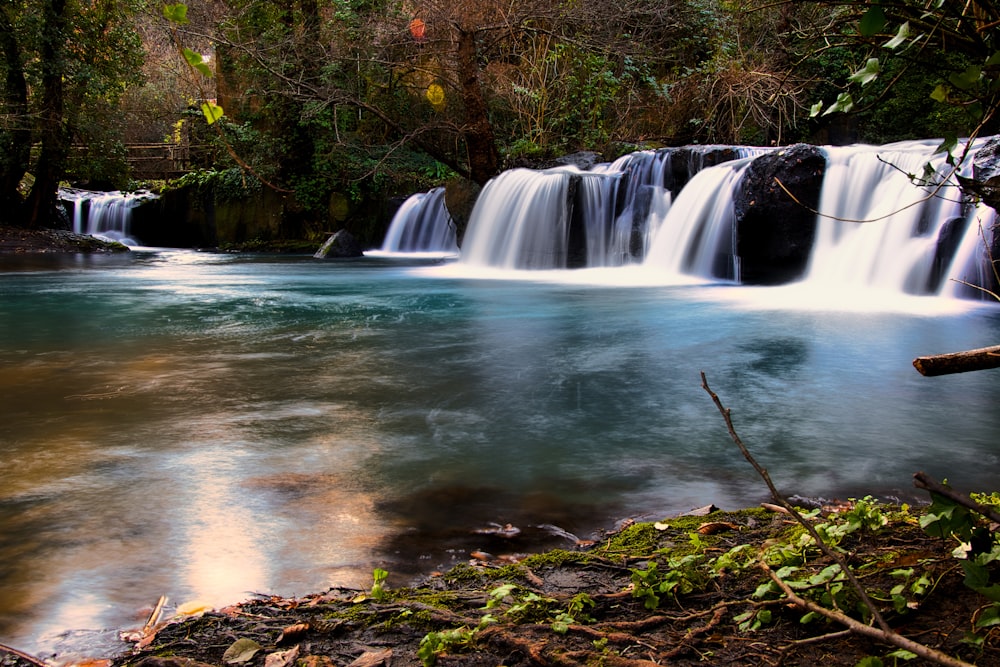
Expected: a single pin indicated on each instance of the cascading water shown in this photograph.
(422, 225)
(698, 227)
(877, 229)
(106, 215)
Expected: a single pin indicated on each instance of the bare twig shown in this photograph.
(780, 500)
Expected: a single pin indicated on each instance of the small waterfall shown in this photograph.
(527, 219)
(698, 227)
(106, 215)
(421, 225)
(521, 221)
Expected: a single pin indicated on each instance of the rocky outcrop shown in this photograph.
(775, 207)
(460, 196)
(341, 244)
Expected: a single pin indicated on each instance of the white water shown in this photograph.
(421, 225)
(105, 215)
(876, 229)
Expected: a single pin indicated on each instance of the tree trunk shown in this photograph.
(959, 362)
(15, 138)
(484, 158)
(54, 136)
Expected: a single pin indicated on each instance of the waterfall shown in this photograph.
(876, 228)
(421, 225)
(678, 213)
(521, 221)
(106, 215)
(699, 225)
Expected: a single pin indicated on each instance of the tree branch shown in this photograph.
(780, 500)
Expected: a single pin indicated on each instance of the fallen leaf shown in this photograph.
(193, 608)
(241, 651)
(713, 527)
(316, 661)
(372, 658)
(282, 658)
(292, 633)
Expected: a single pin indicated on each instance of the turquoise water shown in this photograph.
(206, 426)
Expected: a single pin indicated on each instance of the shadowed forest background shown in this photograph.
(333, 106)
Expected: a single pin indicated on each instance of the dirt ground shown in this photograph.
(583, 607)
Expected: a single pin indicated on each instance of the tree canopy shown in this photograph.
(313, 97)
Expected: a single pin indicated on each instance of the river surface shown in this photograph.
(208, 426)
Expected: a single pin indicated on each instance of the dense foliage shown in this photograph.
(334, 100)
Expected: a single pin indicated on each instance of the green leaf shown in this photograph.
(870, 661)
(815, 109)
(196, 61)
(176, 13)
(900, 38)
(866, 74)
(872, 22)
(211, 111)
(948, 145)
(989, 617)
(844, 103)
(902, 654)
(940, 93)
(967, 79)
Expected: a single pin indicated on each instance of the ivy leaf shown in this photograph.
(989, 617)
(940, 93)
(844, 103)
(211, 111)
(872, 22)
(815, 109)
(196, 61)
(176, 13)
(866, 74)
(949, 144)
(966, 79)
(900, 38)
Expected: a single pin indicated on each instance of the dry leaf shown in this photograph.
(713, 527)
(241, 651)
(292, 632)
(282, 658)
(372, 658)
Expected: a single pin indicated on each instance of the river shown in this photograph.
(208, 426)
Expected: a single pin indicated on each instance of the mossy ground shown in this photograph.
(706, 601)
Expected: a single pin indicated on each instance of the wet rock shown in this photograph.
(460, 195)
(340, 244)
(985, 181)
(775, 229)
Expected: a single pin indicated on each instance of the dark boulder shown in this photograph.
(460, 195)
(775, 229)
(340, 244)
(985, 180)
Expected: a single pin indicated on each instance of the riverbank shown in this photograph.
(700, 589)
(17, 240)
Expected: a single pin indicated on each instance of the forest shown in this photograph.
(334, 103)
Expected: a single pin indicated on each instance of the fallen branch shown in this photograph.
(888, 637)
(883, 632)
(21, 655)
(923, 481)
(958, 362)
(780, 500)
